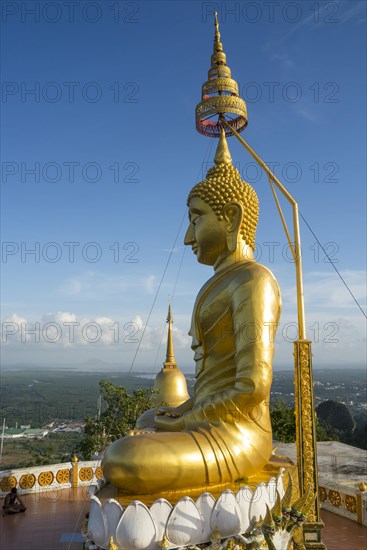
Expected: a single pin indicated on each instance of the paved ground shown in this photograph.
(50, 514)
(343, 534)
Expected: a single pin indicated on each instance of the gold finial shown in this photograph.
(112, 545)
(75, 459)
(169, 316)
(164, 542)
(362, 486)
(217, 43)
(223, 154)
(220, 95)
(170, 354)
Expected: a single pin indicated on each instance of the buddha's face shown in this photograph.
(206, 234)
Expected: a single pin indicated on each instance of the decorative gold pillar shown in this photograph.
(306, 441)
(361, 491)
(74, 472)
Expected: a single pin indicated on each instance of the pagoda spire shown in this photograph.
(218, 46)
(170, 382)
(170, 362)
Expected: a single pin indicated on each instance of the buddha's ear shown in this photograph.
(233, 214)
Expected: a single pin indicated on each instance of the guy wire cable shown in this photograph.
(164, 272)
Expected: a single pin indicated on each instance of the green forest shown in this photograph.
(37, 398)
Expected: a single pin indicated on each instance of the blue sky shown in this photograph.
(109, 132)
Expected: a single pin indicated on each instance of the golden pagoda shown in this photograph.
(170, 381)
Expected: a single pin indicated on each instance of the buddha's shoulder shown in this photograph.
(247, 275)
(251, 271)
(252, 278)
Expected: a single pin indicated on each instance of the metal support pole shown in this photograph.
(296, 234)
(306, 441)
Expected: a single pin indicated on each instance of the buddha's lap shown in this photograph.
(187, 458)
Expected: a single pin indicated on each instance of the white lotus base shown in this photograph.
(187, 523)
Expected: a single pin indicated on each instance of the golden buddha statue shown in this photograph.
(223, 432)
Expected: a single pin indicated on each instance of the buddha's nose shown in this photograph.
(189, 237)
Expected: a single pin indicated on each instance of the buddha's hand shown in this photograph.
(169, 423)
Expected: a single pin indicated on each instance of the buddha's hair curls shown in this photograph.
(222, 185)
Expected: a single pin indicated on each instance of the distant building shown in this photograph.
(17, 433)
(13, 433)
(35, 433)
(77, 429)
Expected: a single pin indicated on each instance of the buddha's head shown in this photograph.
(223, 212)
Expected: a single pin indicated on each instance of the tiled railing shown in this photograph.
(350, 503)
(347, 502)
(51, 476)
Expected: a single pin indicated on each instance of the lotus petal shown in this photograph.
(243, 497)
(205, 504)
(136, 529)
(113, 512)
(258, 503)
(184, 524)
(272, 491)
(226, 515)
(97, 524)
(280, 485)
(160, 510)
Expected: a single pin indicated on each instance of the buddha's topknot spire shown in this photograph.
(222, 154)
(220, 97)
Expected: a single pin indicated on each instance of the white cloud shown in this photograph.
(337, 12)
(65, 330)
(73, 287)
(149, 284)
(15, 319)
(93, 285)
(334, 324)
(326, 292)
(155, 336)
(356, 9)
(284, 59)
(306, 114)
